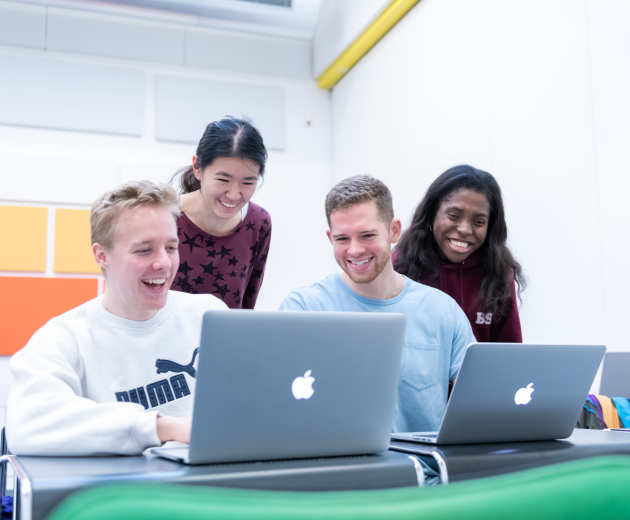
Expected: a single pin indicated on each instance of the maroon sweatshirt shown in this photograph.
(229, 267)
(463, 282)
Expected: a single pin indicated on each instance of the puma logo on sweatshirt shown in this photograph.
(166, 365)
(164, 390)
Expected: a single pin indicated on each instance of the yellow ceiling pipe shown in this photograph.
(364, 42)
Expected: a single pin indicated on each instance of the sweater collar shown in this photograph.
(473, 260)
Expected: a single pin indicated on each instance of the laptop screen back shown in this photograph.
(514, 392)
(274, 385)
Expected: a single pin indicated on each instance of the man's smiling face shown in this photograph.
(362, 241)
(141, 263)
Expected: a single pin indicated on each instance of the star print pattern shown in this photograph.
(190, 241)
(230, 267)
(184, 268)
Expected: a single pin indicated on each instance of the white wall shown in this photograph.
(535, 93)
(75, 165)
(338, 25)
(610, 50)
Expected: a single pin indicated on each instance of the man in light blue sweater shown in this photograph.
(362, 230)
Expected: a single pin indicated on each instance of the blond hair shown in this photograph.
(107, 208)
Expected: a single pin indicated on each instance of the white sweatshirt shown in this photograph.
(89, 382)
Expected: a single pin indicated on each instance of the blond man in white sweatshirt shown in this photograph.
(116, 374)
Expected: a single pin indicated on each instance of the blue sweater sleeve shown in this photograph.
(293, 302)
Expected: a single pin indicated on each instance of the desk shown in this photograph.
(42, 482)
(466, 461)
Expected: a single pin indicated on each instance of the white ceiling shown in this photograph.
(298, 21)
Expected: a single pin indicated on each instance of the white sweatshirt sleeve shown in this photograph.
(48, 415)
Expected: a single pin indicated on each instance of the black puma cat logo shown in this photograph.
(166, 365)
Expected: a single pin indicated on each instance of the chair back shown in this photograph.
(545, 493)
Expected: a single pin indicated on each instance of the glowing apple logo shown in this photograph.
(524, 395)
(302, 386)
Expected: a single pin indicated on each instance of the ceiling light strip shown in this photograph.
(364, 42)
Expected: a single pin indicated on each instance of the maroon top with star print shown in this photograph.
(229, 267)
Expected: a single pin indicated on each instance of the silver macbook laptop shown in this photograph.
(515, 392)
(279, 385)
(615, 369)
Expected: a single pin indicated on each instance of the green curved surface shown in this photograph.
(583, 489)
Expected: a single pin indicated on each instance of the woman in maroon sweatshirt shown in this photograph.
(456, 242)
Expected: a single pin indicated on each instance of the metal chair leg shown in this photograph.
(3, 469)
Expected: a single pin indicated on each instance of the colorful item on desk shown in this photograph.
(589, 418)
(611, 418)
(598, 407)
(623, 410)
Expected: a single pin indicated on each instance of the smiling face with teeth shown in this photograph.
(141, 263)
(362, 243)
(461, 223)
(227, 184)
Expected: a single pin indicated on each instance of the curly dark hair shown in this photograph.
(418, 254)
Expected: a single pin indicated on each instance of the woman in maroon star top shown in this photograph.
(456, 242)
(223, 236)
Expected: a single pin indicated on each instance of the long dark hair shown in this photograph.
(228, 137)
(418, 254)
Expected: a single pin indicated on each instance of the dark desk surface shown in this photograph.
(461, 462)
(50, 479)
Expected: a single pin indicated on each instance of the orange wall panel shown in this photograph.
(73, 251)
(27, 303)
(23, 232)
